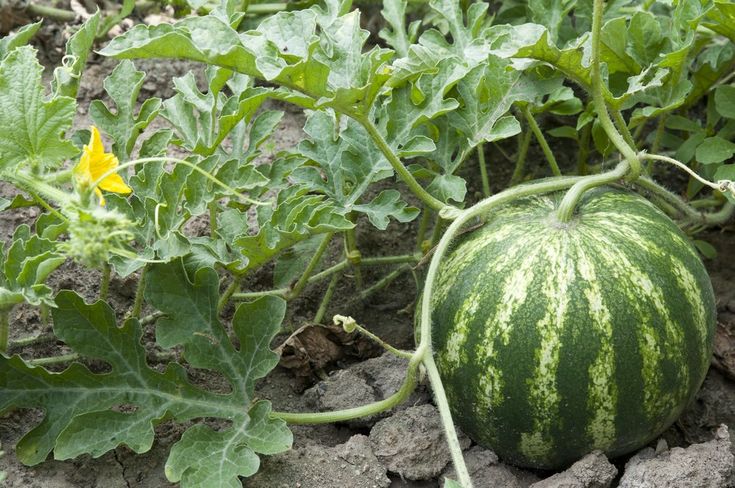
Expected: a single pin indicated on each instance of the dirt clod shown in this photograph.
(706, 465)
(362, 383)
(592, 471)
(487, 472)
(411, 443)
(351, 464)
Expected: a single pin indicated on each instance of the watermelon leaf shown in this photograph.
(93, 413)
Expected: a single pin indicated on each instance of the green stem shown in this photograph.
(523, 145)
(266, 8)
(660, 130)
(105, 281)
(541, 140)
(379, 285)
(349, 325)
(691, 215)
(622, 126)
(352, 254)
(584, 150)
(326, 299)
(139, 290)
(231, 289)
(31, 341)
(35, 185)
(569, 202)
(313, 263)
(483, 170)
(64, 358)
(409, 383)
(213, 207)
(341, 266)
(4, 329)
(599, 100)
(398, 166)
(58, 14)
(423, 226)
(437, 232)
(62, 176)
(442, 404)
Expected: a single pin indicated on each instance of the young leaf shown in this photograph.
(82, 414)
(33, 127)
(20, 38)
(78, 47)
(24, 266)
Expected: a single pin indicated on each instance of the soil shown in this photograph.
(403, 448)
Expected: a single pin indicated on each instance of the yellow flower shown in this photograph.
(94, 163)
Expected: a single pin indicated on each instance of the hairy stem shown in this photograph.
(541, 140)
(483, 169)
(64, 358)
(523, 145)
(690, 214)
(31, 341)
(341, 266)
(409, 383)
(598, 99)
(584, 150)
(379, 285)
(442, 404)
(138, 303)
(398, 166)
(322, 310)
(48, 12)
(352, 254)
(423, 226)
(231, 289)
(349, 325)
(4, 329)
(569, 202)
(313, 263)
(622, 126)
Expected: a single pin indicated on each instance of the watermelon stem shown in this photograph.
(566, 208)
(450, 433)
(598, 98)
(692, 215)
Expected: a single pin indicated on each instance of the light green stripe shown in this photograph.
(544, 395)
(512, 297)
(603, 391)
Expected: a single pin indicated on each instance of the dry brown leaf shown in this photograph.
(313, 347)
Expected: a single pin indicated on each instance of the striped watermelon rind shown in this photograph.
(554, 339)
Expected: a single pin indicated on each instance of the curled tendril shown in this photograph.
(726, 186)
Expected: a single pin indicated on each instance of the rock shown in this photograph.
(411, 443)
(351, 464)
(363, 383)
(487, 472)
(706, 465)
(592, 471)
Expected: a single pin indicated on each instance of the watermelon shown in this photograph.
(555, 339)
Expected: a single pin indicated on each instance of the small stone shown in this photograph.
(592, 471)
(411, 443)
(706, 465)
